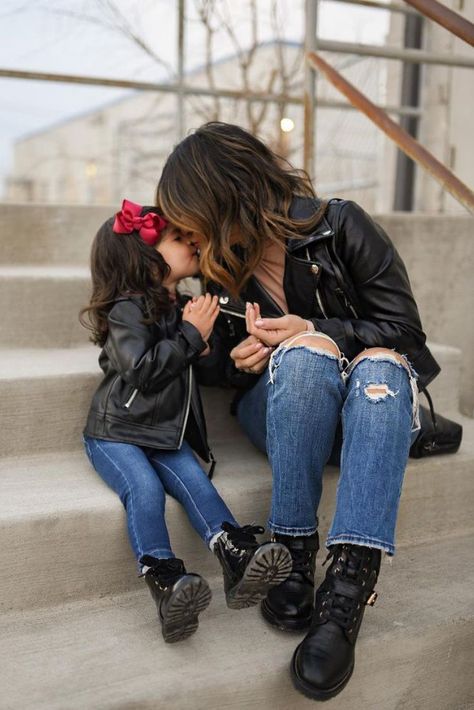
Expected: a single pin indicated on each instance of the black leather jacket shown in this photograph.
(148, 395)
(346, 277)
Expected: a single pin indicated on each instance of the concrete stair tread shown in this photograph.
(74, 527)
(108, 653)
(38, 363)
(46, 483)
(51, 273)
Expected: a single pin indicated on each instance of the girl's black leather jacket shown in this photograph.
(348, 278)
(148, 395)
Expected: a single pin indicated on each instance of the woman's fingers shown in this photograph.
(247, 347)
(253, 360)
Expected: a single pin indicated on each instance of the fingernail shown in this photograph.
(259, 322)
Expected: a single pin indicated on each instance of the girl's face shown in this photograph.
(179, 253)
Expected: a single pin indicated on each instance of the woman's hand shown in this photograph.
(251, 355)
(272, 331)
(202, 313)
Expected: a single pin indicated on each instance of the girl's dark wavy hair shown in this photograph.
(124, 265)
(221, 177)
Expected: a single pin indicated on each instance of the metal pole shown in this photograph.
(405, 55)
(410, 96)
(262, 97)
(445, 17)
(311, 19)
(461, 192)
(391, 6)
(180, 123)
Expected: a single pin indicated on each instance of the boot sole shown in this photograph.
(269, 567)
(190, 597)
(291, 625)
(309, 690)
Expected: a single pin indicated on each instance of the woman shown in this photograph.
(316, 293)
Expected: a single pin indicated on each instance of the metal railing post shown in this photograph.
(311, 15)
(461, 192)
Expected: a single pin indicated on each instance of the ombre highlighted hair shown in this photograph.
(220, 182)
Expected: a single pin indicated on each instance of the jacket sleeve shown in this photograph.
(142, 361)
(388, 314)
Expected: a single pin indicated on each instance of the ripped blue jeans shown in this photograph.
(295, 413)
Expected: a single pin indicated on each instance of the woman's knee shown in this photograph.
(382, 354)
(313, 342)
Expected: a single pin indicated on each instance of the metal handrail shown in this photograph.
(411, 147)
(447, 18)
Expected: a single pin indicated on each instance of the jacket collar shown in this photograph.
(302, 208)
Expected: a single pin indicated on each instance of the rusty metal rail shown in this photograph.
(445, 17)
(411, 147)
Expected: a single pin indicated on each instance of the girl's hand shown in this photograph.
(251, 355)
(272, 331)
(202, 313)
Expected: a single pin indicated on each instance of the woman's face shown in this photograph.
(180, 253)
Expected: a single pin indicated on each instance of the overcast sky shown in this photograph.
(52, 35)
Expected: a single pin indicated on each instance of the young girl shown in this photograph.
(146, 417)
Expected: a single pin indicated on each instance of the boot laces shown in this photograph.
(348, 563)
(167, 571)
(302, 562)
(242, 538)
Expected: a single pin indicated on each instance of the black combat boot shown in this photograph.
(250, 570)
(180, 597)
(290, 605)
(323, 662)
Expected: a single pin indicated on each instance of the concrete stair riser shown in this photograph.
(438, 251)
(49, 234)
(41, 310)
(50, 410)
(72, 528)
(109, 654)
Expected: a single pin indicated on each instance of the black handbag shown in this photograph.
(438, 435)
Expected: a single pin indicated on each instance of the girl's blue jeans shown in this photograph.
(294, 413)
(142, 477)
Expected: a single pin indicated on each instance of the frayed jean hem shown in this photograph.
(283, 530)
(363, 541)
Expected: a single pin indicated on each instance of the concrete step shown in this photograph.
(41, 305)
(45, 397)
(414, 651)
(49, 390)
(49, 234)
(58, 514)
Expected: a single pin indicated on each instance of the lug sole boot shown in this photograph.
(323, 663)
(250, 570)
(179, 597)
(289, 607)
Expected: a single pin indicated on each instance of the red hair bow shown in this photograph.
(128, 220)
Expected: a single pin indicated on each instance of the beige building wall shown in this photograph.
(119, 150)
(447, 101)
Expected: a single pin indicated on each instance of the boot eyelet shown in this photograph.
(363, 584)
(364, 569)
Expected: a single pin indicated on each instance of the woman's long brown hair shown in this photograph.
(123, 265)
(221, 179)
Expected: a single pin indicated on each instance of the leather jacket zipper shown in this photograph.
(230, 312)
(188, 405)
(318, 295)
(129, 401)
(320, 303)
